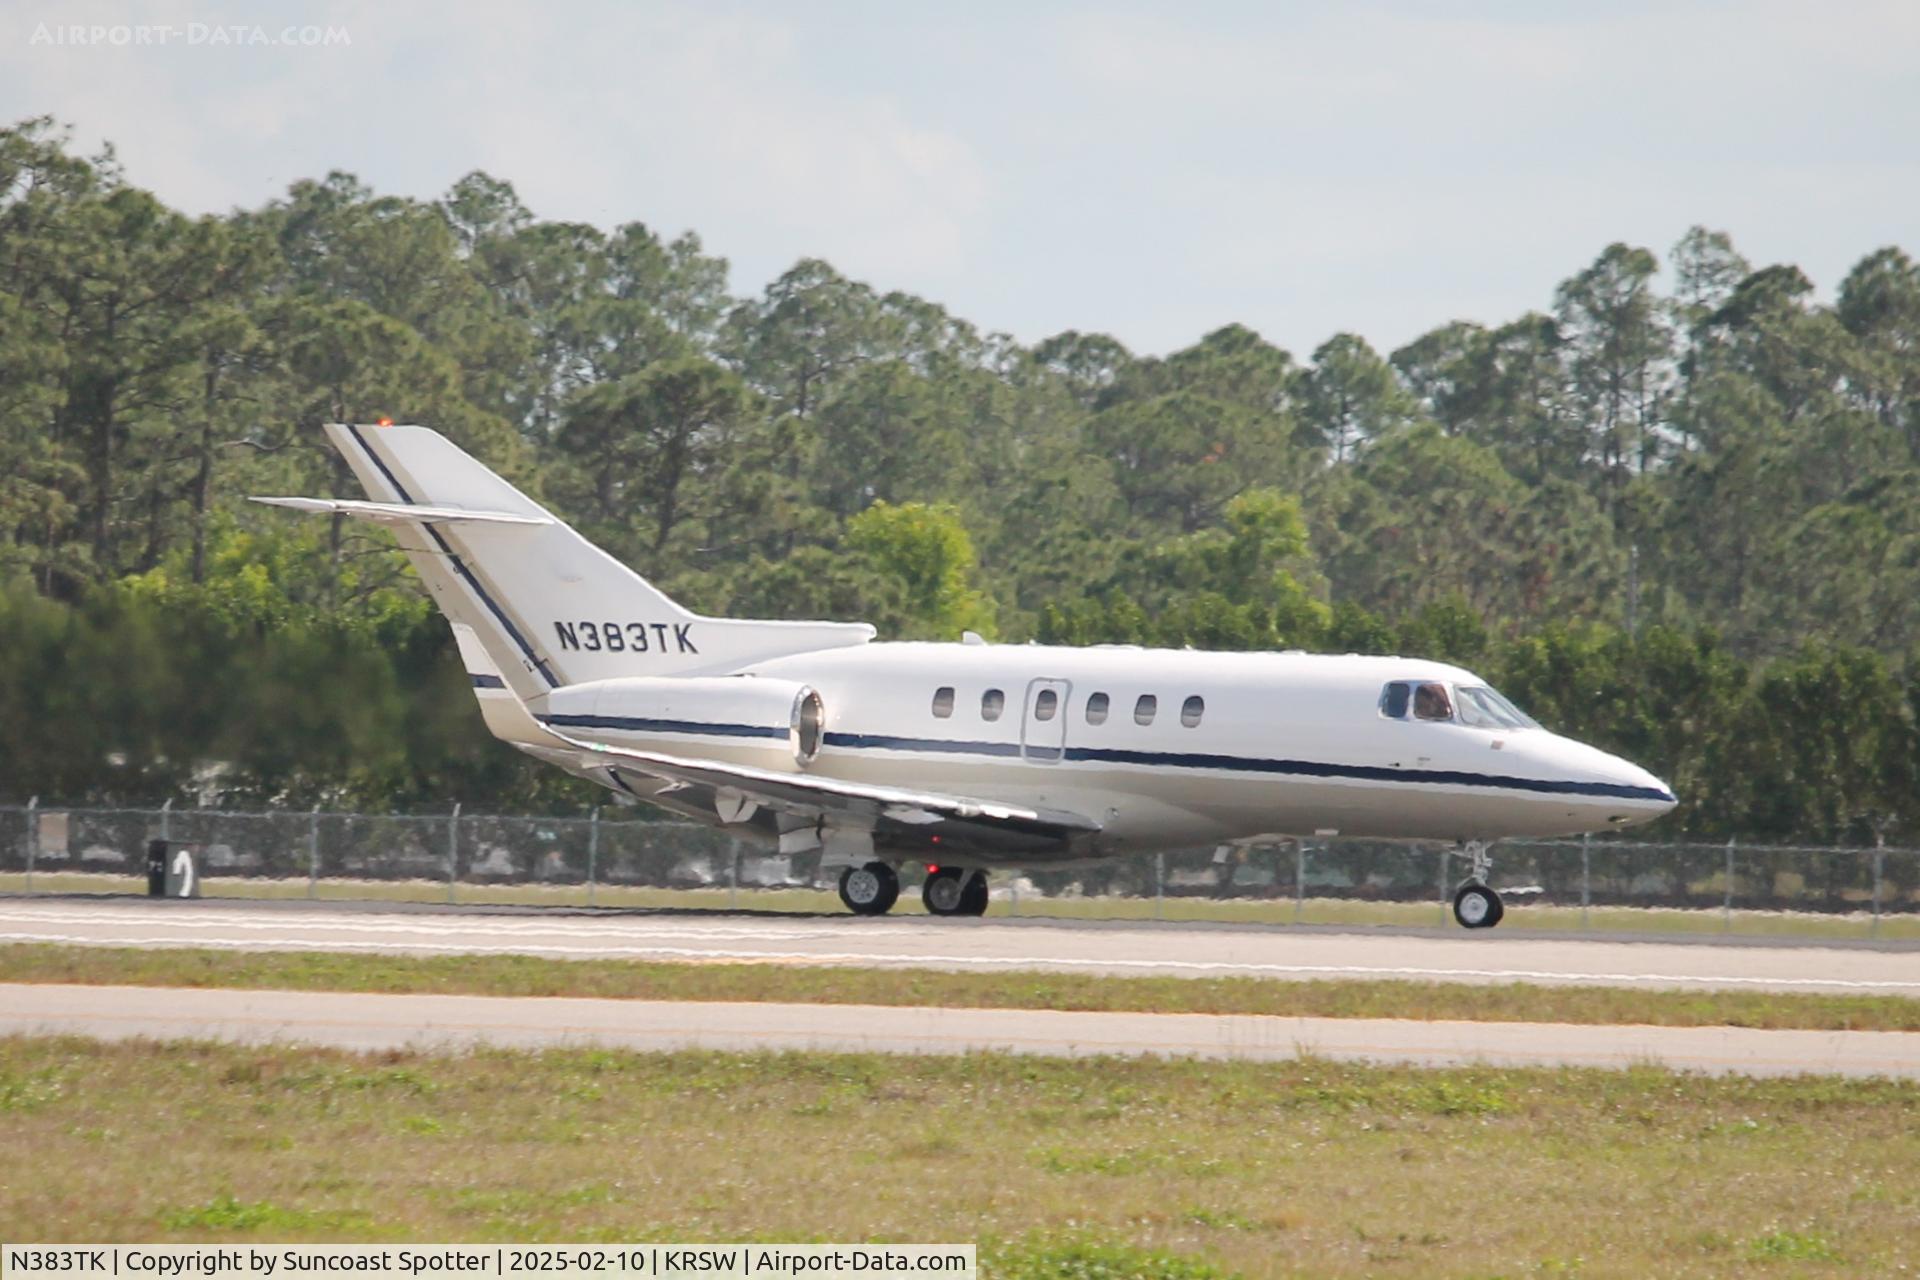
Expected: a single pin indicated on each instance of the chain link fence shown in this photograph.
(323, 854)
(620, 859)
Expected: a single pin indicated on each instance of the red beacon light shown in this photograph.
(386, 422)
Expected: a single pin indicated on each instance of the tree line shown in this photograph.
(1676, 511)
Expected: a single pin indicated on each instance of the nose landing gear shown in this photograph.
(1475, 906)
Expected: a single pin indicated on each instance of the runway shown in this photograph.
(374, 1022)
(912, 941)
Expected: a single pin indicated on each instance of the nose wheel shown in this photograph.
(1475, 905)
(870, 890)
(955, 891)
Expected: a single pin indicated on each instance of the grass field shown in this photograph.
(532, 976)
(1300, 1168)
(1521, 915)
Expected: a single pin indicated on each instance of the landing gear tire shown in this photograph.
(1477, 907)
(870, 890)
(973, 902)
(943, 891)
(955, 891)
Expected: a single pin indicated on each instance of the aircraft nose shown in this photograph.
(1628, 794)
(1641, 796)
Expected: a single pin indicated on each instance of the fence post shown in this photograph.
(1299, 878)
(33, 838)
(1879, 862)
(1726, 909)
(1586, 877)
(453, 848)
(1159, 885)
(313, 852)
(1445, 855)
(593, 849)
(166, 819)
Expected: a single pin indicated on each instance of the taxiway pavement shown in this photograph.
(363, 1021)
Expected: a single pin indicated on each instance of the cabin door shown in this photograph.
(1043, 724)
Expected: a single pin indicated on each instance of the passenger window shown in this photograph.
(992, 703)
(1430, 702)
(1394, 699)
(1097, 709)
(1046, 704)
(943, 702)
(1143, 710)
(1191, 710)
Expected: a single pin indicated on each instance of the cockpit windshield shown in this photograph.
(1475, 705)
(1483, 708)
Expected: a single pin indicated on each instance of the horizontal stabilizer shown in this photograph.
(401, 512)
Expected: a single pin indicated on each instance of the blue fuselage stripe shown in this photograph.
(1366, 773)
(1158, 759)
(539, 664)
(1244, 764)
(887, 742)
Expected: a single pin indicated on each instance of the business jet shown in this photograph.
(957, 757)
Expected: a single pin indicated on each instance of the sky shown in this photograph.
(1153, 171)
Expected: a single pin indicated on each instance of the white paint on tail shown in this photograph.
(548, 607)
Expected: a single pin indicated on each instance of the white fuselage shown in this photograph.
(811, 733)
(1284, 744)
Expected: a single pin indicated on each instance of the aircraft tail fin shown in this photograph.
(548, 607)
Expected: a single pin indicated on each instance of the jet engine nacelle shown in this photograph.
(783, 717)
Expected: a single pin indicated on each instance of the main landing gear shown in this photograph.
(955, 891)
(872, 889)
(1475, 905)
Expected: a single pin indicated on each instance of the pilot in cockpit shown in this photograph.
(1430, 703)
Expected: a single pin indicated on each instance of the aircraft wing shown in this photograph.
(399, 512)
(900, 818)
(897, 816)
